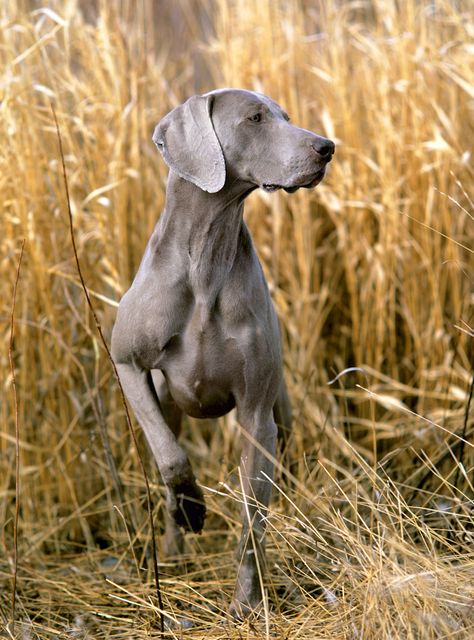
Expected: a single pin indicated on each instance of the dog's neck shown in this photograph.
(207, 228)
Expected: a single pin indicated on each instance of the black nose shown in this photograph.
(324, 147)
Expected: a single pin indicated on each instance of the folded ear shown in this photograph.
(189, 145)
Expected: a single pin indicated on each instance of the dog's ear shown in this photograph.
(189, 145)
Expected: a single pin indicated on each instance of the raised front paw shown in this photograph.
(186, 505)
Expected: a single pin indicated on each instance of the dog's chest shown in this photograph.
(209, 364)
(203, 367)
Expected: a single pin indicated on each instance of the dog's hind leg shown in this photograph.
(283, 415)
(170, 410)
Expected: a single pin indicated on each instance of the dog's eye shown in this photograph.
(256, 117)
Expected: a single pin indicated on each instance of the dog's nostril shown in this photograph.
(324, 147)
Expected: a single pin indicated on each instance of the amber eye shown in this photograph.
(256, 118)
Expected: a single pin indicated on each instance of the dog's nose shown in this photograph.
(324, 147)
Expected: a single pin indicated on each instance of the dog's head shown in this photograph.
(244, 136)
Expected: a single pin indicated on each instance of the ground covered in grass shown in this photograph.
(370, 531)
(351, 561)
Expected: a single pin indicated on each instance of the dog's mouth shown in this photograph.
(308, 182)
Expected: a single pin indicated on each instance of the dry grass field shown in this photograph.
(371, 528)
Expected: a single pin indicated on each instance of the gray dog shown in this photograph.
(197, 333)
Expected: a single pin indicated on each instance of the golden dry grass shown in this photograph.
(371, 536)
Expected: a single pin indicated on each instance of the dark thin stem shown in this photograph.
(114, 368)
(17, 439)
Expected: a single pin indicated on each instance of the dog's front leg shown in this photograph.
(256, 467)
(185, 501)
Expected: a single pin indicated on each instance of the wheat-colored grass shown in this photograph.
(370, 532)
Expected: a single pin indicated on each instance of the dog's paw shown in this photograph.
(186, 505)
(240, 611)
(247, 599)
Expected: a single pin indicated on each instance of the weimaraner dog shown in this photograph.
(197, 332)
